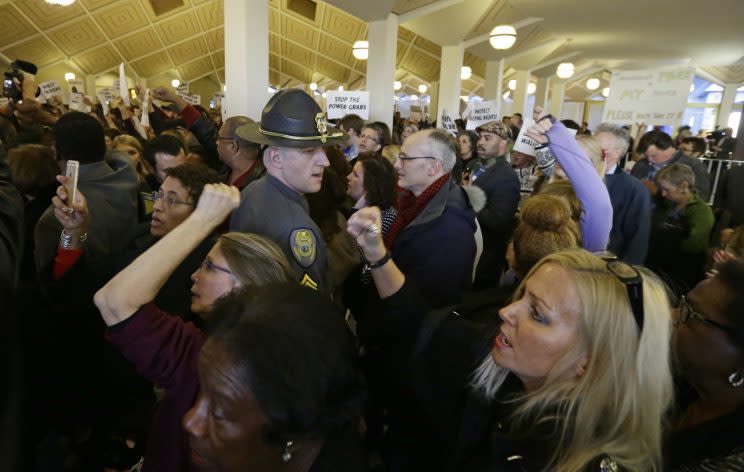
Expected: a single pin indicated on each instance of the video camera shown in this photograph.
(14, 79)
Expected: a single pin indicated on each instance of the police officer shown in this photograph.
(294, 130)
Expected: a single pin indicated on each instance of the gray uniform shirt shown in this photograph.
(269, 208)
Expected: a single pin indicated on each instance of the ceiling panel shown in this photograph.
(297, 71)
(219, 59)
(13, 26)
(47, 16)
(343, 25)
(38, 50)
(178, 28)
(192, 70)
(152, 64)
(187, 50)
(404, 6)
(428, 46)
(335, 49)
(215, 39)
(299, 32)
(274, 61)
(98, 60)
(120, 19)
(422, 65)
(77, 36)
(297, 53)
(96, 4)
(211, 14)
(139, 44)
(332, 69)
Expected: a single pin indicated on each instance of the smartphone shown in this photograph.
(72, 181)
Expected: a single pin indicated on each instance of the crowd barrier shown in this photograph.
(716, 167)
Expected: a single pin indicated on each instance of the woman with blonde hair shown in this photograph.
(131, 146)
(575, 376)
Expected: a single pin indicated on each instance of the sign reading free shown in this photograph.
(651, 97)
(340, 104)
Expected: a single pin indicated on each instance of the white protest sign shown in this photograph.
(3, 101)
(224, 107)
(183, 88)
(651, 97)
(115, 88)
(76, 85)
(340, 104)
(145, 120)
(446, 123)
(192, 99)
(105, 96)
(525, 144)
(51, 89)
(123, 86)
(76, 101)
(481, 113)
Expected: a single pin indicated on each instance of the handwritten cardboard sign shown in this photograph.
(51, 89)
(525, 144)
(192, 99)
(446, 123)
(340, 104)
(481, 113)
(145, 120)
(651, 97)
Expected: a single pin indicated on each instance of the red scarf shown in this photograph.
(410, 206)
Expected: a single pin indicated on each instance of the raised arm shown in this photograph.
(596, 215)
(141, 280)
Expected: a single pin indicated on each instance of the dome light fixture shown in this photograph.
(422, 88)
(224, 88)
(397, 85)
(512, 84)
(69, 76)
(466, 72)
(340, 88)
(361, 50)
(413, 97)
(592, 84)
(507, 94)
(323, 95)
(175, 83)
(313, 86)
(503, 37)
(565, 70)
(606, 92)
(62, 3)
(531, 88)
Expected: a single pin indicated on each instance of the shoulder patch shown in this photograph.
(303, 244)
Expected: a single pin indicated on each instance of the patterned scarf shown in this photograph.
(410, 206)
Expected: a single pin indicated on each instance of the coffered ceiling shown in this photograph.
(311, 41)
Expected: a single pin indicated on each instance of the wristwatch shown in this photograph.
(374, 265)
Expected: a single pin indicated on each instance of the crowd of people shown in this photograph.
(299, 295)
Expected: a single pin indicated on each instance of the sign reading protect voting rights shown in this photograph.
(481, 113)
(340, 104)
(651, 97)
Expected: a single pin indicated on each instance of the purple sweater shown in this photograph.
(596, 209)
(164, 349)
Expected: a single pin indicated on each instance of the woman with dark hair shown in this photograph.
(707, 433)
(164, 348)
(467, 152)
(280, 388)
(372, 183)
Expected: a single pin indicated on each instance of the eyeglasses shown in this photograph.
(686, 313)
(363, 137)
(633, 282)
(209, 266)
(168, 201)
(403, 157)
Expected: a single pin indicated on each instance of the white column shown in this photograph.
(90, 85)
(449, 80)
(434, 105)
(246, 57)
(727, 104)
(520, 94)
(541, 92)
(494, 88)
(555, 105)
(383, 42)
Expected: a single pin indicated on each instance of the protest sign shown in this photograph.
(183, 88)
(123, 86)
(192, 99)
(51, 89)
(76, 101)
(446, 123)
(340, 104)
(3, 101)
(76, 85)
(525, 144)
(145, 120)
(651, 97)
(481, 113)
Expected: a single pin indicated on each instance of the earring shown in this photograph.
(736, 380)
(287, 454)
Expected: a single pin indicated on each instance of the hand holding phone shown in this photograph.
(71, 174)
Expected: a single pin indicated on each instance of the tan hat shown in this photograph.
(497, 128)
